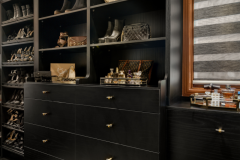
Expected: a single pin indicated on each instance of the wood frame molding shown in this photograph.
(188, 56)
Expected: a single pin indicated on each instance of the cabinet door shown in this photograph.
(90, 149)
(192, 135)
(58, 144)
(136, 129)
(30, 154)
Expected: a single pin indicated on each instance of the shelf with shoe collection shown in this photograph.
(17, 63)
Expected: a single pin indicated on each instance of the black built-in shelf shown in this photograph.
(12, 128)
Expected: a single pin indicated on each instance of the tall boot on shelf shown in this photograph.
(116, 31)
(24, 11)
(66, 5)
(78, 5)
(18, 10)
(29, 10)
(108, 33)
(14, 13)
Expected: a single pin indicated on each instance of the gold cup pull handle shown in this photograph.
(44, 114)
(45, 141)
(109, 159)
(220, 130)
(109, 125)
(109, 97)
(45, 92)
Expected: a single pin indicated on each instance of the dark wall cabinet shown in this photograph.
(192, 134)
(92, 126)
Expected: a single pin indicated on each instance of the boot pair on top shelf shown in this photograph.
(113, 34)
(18, 13)
(66, 6)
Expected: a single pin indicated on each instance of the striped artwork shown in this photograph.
(217, 40)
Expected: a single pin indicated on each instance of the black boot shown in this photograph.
(108, 33)
(66, 5)
(18, 10)
(29, 10)
(78, 5)
(10, 14)
(24, 11)
(116, 31)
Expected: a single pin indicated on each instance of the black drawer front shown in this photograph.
(93, 96)
(129, 99)
(59, 115)
(57, 93)
(30, 154)
(59, 144)
(193, 134)
(135, 129)
(89, 149)
(136, 99)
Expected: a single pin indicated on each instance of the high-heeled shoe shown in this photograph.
(12, 98)
(29, 34)
(12, 36)
(18, 35)
(13, 73)
(29, 10)
(78, 5)
(23, 34)
(66, 5)
(116, 31)
(9, 136)
(108, 33)
(24, 10)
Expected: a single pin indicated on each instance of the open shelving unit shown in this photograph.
(7, 28)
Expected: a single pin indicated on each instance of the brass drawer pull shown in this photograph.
(220, 130)
(44, 114)
(109, 97)
(109, 159)
(45, 92)
(109, 125)
(45, 141)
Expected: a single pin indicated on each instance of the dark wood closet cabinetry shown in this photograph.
(193, 134)
(84, 126)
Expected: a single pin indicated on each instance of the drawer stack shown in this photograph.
(91, 122)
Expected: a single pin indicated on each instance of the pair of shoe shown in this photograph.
(17, 98)
(113, 34)
(25, 32)
(23, 11)
(22, 56)
(15, 140)
(66, 6)
(62, 41)
(19, 76)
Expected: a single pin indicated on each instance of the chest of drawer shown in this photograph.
(58, 93)
(50, 114)
(195, 133)
(136, 129)
(94, 149)
(52, 142)
(120, 98)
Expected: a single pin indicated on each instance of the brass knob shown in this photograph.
(109, 159)
(44, 114)
(109, 97)
(45, 92)
(109, 125)
(45, 141)
(220, 130)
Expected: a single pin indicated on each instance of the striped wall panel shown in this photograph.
(217, 40)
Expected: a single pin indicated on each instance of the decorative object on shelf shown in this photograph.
(108, 33)
(108, 1)
(43, 76)
(62, 41)
(215, 100)
(63, 72)
(138, 31)
(145, 66)
(77, 41)
(211, 87)
(66, 5)
(78, 5)
(117, 30)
